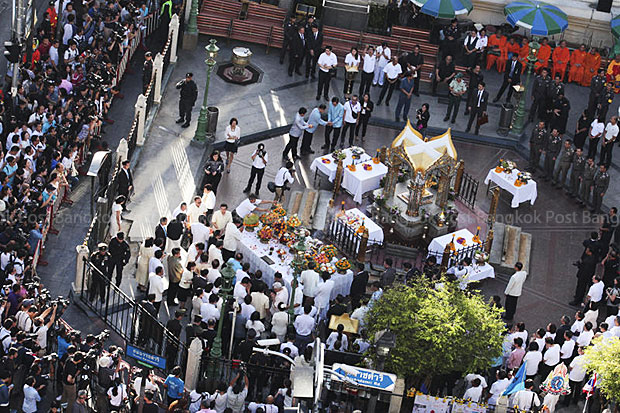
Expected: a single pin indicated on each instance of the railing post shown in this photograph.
(458, 181)
(489, 243)
(174, 30)
(80, 283)
(141, 114)
(445, 258)
(361, 251)
(338, 178)
(122, 151)
(194, 357)
(158, 66)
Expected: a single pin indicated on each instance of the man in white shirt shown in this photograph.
(280, 295)
(327, 61)
(209, 310)
(597, 127)
(532, 359)
(260, 301)
(221, 218)
(474, 393)
(384, 55)
(568, 347)
(231, 238)
(575, 378)
(609, 138)
(249, 205)
(200, 231)
(68, 29)
(304, 325)
(368, 70)
(498, 387)
(259, 162)
(523, 399)
(156, 286)
(595, 293)
(551, 358)
(310, 280)
(284, 175)
(53, 52)
(195, 209)
(71, 53)
(513, 290)
(242, 288)
(392, 72)
(351, 116)
(215, 253)
(323, 293)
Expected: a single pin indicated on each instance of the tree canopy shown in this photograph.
(604, 358)
(438, 330)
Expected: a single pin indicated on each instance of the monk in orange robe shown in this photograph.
(613, 73)
(524, 52)
(512, 47)
(561, 55)
(544, 54)
(494, 45)
(590, 66)
(577, 60)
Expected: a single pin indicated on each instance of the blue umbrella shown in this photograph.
(540, 18)
(444, 9)
(615, 26)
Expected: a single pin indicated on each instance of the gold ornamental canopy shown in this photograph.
(422, 153)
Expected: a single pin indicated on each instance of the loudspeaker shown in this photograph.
(604, 6)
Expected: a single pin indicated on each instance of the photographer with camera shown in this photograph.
(237, 392)
(284, 175)
(421, 118)
(259, 162)
(70, 373)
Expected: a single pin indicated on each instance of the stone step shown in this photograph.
(512, 239)
(525, 249)
(495, 257)
(321, 208)
(294, 202)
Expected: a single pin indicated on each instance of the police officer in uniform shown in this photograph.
(540, 91)
(189, 93)
(597, 85)
(605, 100)
(98, 279)
(566, 160)
(586, 183)
(165, 15)
(120, 254)
(601, 183)
(555, 90)
(175, 328)
(553, 144)
(537, 143)
(193, 329)
(147, 71)
(576, 175)
(289, 30)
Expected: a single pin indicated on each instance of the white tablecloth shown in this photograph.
(438, 245)
(362, 181)
(375, 232)
(480, 272)
(527, 192)
(342, 284)
(253, 250)
(329, 169)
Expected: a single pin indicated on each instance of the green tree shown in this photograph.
(438, 330)
(604, 359)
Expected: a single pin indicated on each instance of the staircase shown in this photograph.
(310, 206)
(510, 245)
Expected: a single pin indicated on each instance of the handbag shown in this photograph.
(271, 187)
(483, 119)
(186, 240)
(333, 72)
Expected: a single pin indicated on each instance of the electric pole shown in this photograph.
(18, 27)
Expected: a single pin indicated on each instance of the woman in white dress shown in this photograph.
(115, 219)
(144, 256)
(233, 134)
(351, 67)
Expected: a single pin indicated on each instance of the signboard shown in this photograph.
(148, 359)
(367, 378)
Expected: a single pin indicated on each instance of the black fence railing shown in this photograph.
(460, 254)
(348, 241)
(129, 319)
(468, 191)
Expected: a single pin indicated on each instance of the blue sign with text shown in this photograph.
(146, 358)
(368, 378)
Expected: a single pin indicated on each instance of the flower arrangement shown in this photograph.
(329, 250)
(293, 222)
(481, 257)
(357, 152)
(321, 259)
(367, 167)
(279, 227)
(376, 160)
(505, 166)
(342, 265)
(325, 160)
(268, 218)
(329, 268)
(360, 230)
(461, 241)
(351, 168)
(250, 222)
(265, 234)
(287, 237)
(339, 155)
(279, 211)
(380, 200)
(281, 253)
(523, 178)
(476, 238)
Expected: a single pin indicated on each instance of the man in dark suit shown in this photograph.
(478, 107)
(161, 230)
(119, 256)
(146, 327)
(512, 76)
(125, 182)
(297, 51)
(358, 286)
(314, 47)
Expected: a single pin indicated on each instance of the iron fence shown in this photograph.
(468, 190)
(128, 318)
(459, 254)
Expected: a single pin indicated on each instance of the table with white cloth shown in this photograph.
(327, 165)
(342, 284)
(523, 193)
(438, 245)
(354, 218)
(360, 181)
(253, 250)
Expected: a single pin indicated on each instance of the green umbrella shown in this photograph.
(615, 26)
(540, 18)
(444, 9)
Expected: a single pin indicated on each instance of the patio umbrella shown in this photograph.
(540, 18)
(615, 26)
(444, 9)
